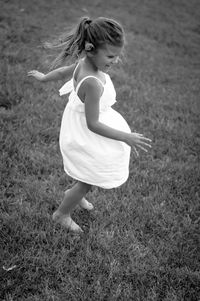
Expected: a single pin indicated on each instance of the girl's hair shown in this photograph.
(97, 32)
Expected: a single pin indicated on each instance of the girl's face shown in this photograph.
(105, 57)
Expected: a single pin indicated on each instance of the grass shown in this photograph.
(141, 241)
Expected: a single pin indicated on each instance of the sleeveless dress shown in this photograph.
(87, 156)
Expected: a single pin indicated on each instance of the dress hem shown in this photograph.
(94, 184)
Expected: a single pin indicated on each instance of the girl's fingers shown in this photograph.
(138, 134)
(146, 139)
(31, 73)
(144, 149)
(136, 152)
(144, 144)
(141, 137)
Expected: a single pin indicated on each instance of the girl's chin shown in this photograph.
(104, 69)
(107, 68)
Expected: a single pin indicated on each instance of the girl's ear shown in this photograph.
(89, 46)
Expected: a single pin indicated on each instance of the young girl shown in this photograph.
(95, 140)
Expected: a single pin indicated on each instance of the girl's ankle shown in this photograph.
(58, 214)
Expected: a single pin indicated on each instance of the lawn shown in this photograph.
(141, 242)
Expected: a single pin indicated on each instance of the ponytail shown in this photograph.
(72, 43)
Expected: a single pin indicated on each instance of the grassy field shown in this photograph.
(140, 242)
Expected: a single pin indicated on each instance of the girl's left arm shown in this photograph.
(57, 74)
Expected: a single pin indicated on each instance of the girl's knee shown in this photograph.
(84, 187)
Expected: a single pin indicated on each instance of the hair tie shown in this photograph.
(88, 46)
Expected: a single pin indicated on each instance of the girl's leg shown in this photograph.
(72, 197)
(84, 203)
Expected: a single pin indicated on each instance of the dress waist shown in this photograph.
(77, 105)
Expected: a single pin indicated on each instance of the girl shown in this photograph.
(95, 140)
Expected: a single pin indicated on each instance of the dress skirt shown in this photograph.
(92, 158)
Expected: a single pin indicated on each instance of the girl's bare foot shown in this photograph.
(66, 221)
(85, 204)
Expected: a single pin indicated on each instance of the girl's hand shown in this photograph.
(37, 75)
(136, 140)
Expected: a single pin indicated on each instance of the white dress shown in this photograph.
(89, 157)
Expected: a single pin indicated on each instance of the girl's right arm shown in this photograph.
(57, 74)
(93, 93)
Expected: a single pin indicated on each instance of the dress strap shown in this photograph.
(86, 77)
(69, 85)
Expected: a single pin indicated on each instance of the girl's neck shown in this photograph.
(90, 65)
(88, 68)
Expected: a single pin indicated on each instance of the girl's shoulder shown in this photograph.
(88, 85)
(85, 81)
(84, 75)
